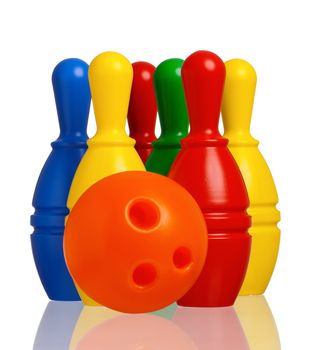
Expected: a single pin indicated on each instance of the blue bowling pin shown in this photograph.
(72, 96)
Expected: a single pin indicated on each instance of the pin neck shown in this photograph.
(73, 121)
(143, 136)
(240, 138)
(111, 137)
(70, 139)
(210, 137)
(169, 140)
(173, 130)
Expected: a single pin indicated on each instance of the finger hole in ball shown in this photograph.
(143, 214)
(144, 275)
(182, 258)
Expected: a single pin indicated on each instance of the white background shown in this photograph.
(36, 35)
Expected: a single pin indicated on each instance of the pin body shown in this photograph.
(236, 111)
(110, 150)
(142, 109)
(172, 114)
(72, 95)
(206, 168)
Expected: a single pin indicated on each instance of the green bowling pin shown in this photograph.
(172, 114)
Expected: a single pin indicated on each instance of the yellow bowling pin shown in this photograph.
(110, 150)
(236, 112)
(257, 322)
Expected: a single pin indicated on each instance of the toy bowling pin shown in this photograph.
(172, 113)
(206, 168)
(236, 111)
(110, 150)
(72, 95)
(142, 109)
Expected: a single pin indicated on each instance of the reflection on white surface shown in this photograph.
(135, 332)
(212, 328)
(247, 325)
(89, 318)
(258, 323)
(57, 325)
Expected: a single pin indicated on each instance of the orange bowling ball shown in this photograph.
(135, 242)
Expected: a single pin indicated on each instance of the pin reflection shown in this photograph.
(212, 328)
(90, 317)
(57, 325)
(247, 325)
(258, 323)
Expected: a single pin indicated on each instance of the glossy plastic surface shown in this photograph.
(236, 111)
(72, 95)
(172, 113)
(142, 112)
(110, 150)
(206, 168)
(139, 250)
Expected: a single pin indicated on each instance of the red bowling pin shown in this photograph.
(206, 168)
(142, 109)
